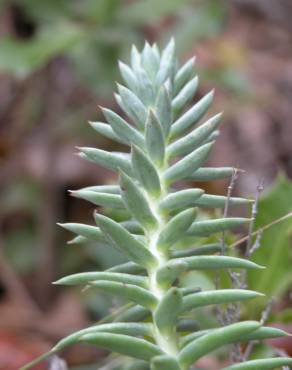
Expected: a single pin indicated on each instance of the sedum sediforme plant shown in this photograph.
(166, 144)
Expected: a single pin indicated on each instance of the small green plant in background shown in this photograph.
(165, 147)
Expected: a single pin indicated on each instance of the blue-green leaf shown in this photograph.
(116, 328)
(216, 339)
(106, 130)
(180, 199)
(213, 262)
(122, 129)
(211, 297)
(136, 202)
(111, 189)
(183, 75)
(219, 201)
(134, 293)
(164, 362)
(188, 164)
(100, 199)
(145, 172)
(135, 250)
(263, 333)
(259, 334)
(192, 116)
(86, 277)
(87, 231)
(185, 95)
(127, 268)
(168, 273)
(154, 137)
(156, 52)
(176, 228)
(264, 364)
(208, 227)
(110, 160)
(133, 106)
(185, 325)
(133, 314)
(194, 139)
(128, 76)
(124, 344)
(145, 88)
(197, 251)
(167, 311)
(163, 110)
(135, 58)
(167, 63)
(210, 173)
(149, 61)
(78, 240)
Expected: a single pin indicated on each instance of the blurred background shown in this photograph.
(58, 62)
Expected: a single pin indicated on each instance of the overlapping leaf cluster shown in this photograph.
(166, 145)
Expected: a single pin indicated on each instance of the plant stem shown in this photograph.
(168, 344)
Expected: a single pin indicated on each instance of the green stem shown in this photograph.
(168, 343)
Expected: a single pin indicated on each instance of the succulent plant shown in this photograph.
(166, 144)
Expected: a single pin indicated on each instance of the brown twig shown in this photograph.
(264, 317)
(230, 188)
(254, 212)
(232, 312)
(262, 229)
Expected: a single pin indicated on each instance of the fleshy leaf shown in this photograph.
(194, 139)
(106, 130)
(176, 228)
(133, 314)
(134, 293)
(154, 139)
(128, 76)
(86, 277)
(185, 95)
(219, 201)
(149, 61)
(110, 160)
(214, 262)
(264, 364)
(124, 344)
(216, 297)
(197, 251)
(122, 129)
(136, 251)
(87, 231)
(181, 199)
(188, 164)
(163, 110)
(210, 173)
(167, 63)
(164, 362)
(216, 339)
(183, 75)
(100, 199)
(136, 202)
(167, 311)
(145, 172)
(116, 328)
(208, 227)
(133, 106)
(192, 116)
